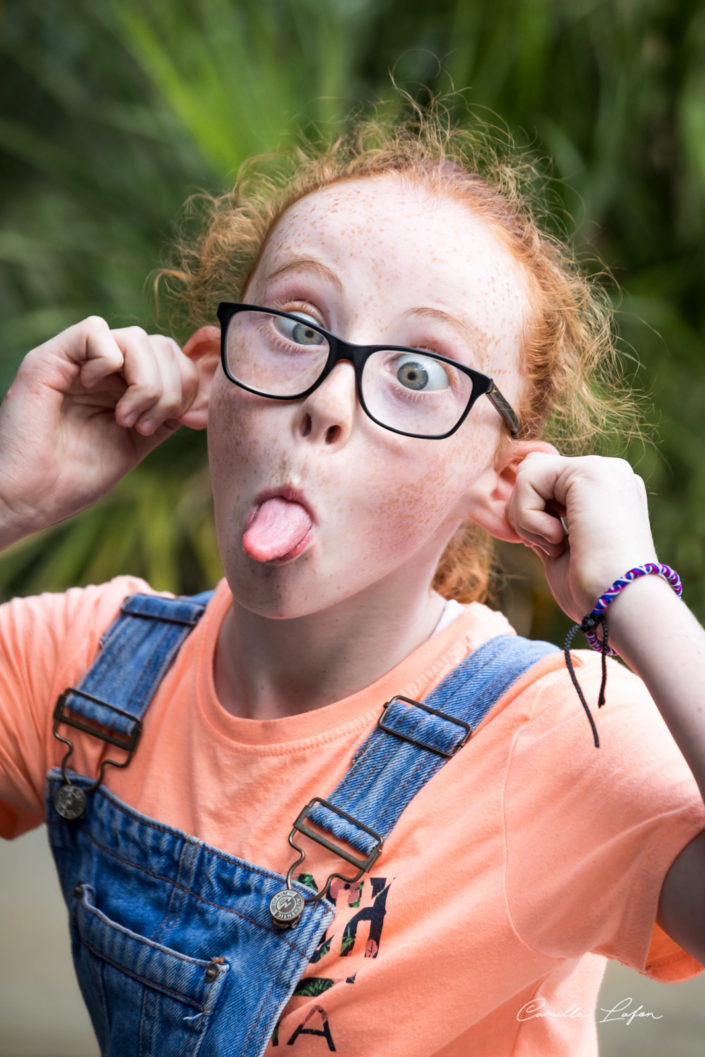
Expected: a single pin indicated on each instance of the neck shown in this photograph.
(267, 669)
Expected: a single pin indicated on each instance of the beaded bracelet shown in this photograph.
(597, 617)
(600, 607)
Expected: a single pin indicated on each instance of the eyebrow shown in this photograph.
(471, 334)
(438, 315)
(309, 264)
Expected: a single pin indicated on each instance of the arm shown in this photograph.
(652, 630)
(83, 410)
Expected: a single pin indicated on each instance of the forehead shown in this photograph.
(390, 238)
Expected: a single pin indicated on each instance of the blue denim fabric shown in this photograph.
(134, 657)
(172, 939)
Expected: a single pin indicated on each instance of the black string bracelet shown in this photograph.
(588, 626)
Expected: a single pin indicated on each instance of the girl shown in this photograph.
(346, 812)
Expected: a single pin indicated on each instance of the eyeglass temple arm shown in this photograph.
(505, 409)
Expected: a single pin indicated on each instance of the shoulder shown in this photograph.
(43, 634)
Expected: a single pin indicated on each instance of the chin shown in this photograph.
(275, 591)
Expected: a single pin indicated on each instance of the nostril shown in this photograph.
(307, 425)
(332, 434)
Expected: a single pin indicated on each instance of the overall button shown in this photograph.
(70, 802)
(286, 908)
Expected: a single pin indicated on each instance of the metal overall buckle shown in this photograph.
(70, 799)
(287, 905)
(464, 729)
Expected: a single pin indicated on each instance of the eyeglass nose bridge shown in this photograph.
(342, 351)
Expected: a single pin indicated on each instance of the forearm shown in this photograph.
(655, 633)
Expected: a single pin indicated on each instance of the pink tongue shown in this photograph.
(275, 528)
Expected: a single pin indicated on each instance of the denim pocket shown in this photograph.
(143, 997)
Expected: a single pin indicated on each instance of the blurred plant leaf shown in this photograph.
(109, 118)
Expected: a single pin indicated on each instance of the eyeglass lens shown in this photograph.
(405, 390)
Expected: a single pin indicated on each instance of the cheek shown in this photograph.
(232, 442)
(411, 497)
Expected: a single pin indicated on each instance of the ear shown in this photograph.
(203, 350)
(491, 492)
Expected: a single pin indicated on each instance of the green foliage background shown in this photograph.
(111, 113)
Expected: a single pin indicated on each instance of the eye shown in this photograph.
(298, 330)
(420, 373)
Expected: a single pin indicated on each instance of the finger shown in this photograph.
(102, 356)
(161, 383)
(141, 375)
(179, 387)
(86, 350)
(196, 416)
(535, 510)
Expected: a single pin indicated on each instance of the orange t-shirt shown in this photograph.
(524, 862)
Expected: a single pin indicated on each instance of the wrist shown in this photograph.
(653, 577)
(14, 525)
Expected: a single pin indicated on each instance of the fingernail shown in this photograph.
(129, 420)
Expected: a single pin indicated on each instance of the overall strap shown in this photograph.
(136, 651)
(110, 701)
(411, 742)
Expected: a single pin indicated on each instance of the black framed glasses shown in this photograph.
(287, 355)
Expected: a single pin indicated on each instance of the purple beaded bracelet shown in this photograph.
(649, 569)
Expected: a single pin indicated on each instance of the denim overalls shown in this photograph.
(181, 949)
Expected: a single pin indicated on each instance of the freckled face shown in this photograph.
(373, 260)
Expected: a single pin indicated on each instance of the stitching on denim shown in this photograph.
(189, 891)
(93, 912)
(172, 911)
(270, 993)
(141, 1027)
(352, 782)
(257, 1019)
(144, 820)
(161, 638)
(255, 1022)
(414, 776)
(143, 979)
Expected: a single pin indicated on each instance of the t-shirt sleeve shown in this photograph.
(47, 642)
(591, 832)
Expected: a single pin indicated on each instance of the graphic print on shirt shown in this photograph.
(356, 929)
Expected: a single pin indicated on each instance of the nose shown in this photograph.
(326, 416)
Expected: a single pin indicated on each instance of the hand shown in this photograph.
(603, 504)
(83, 410)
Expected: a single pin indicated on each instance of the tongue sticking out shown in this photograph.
(275, 528)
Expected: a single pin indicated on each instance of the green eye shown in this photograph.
(421, 373)
(298, 331)
(413, 375)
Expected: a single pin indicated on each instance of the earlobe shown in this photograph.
(203, 350)
(492, 491)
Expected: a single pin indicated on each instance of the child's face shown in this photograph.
(373, 260)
